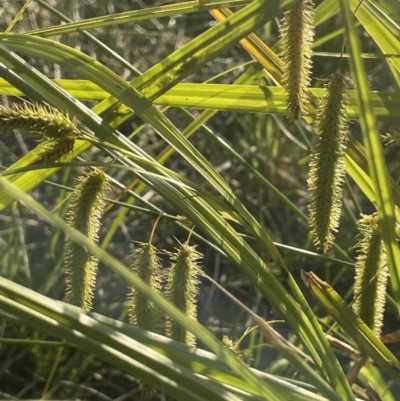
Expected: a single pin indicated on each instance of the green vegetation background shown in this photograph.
(273, 145)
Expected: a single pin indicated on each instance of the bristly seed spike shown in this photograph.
(182, 289)
(327, 170)
(42, 120)
(143, 313)
(85, 210)
(297, 34)
(371, 274)
(146, 265)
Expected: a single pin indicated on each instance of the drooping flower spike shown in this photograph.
(297, 32)
(371, 274)
(42, 120)
(327, 170)
(85, 210)
(182, 289)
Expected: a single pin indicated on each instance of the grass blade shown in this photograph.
(353, 326)
(375, 156)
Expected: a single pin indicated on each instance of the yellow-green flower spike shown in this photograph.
(142, 312)
(53, 150)
(297, 32)
(392, 138)
(327, 170)
(146, 265)
(182, 289)
(85, 211)
(371, 274)
(41, 120)
(245, 356)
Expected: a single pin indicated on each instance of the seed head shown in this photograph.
(182, 289)
(42, 120)
(85, 211)
(371, 274)
(327, 170)
(146, 265)
(297, 36)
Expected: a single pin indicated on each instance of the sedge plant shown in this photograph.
(233, 179)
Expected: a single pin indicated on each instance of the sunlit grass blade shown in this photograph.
(111, 346)
(379, 32)
(353, 326)
(357, 167)
(371, 374)
(236, 98)
(375, 156)
(256, 47)
(40, 310)
(387, 18)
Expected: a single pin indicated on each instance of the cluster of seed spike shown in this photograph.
(181, 290)
(85, 211)
(327, 170)
(51, 125)
(371, 274)
(297, 36)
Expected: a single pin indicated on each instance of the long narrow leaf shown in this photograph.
(353, 326)
(235, 98)
(137, 15)
(103, 328)
(375, 156)
(112, 346)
